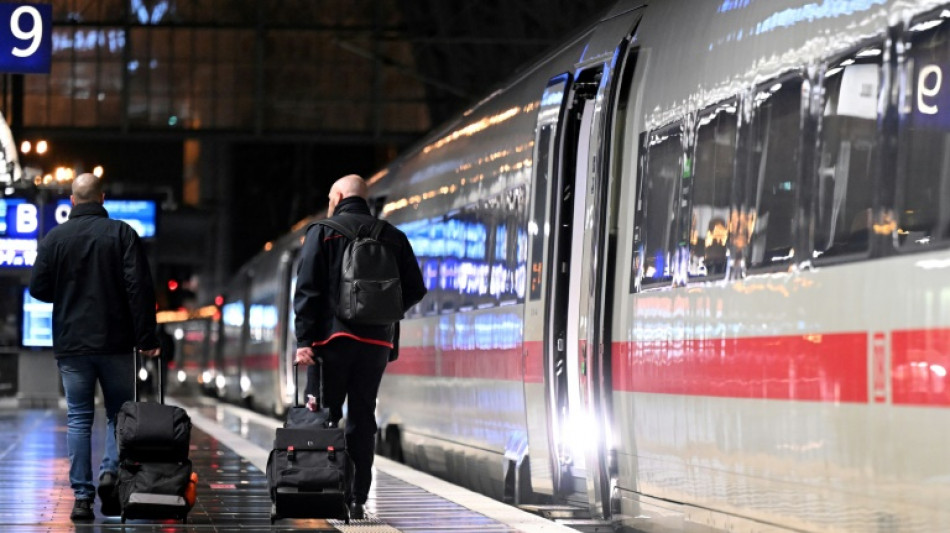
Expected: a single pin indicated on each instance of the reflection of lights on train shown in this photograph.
(232, 314)
(262, 321)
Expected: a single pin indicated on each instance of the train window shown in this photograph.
(769, 198)
(847, 141)
(711, 190)
(661, 167)
(923, 191)
(465, 270)
(510, 247)
(425, 236)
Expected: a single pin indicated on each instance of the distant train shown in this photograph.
(690, 270)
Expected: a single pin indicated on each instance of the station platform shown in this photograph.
(229, 448)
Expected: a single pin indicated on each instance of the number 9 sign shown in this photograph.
(25, 37)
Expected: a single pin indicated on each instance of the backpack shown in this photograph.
(370, 286)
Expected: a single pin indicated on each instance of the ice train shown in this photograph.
(690, 270)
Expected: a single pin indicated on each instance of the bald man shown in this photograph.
(354, 355)
(95, 272)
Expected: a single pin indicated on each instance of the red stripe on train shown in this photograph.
(920, 360)
(829, 367)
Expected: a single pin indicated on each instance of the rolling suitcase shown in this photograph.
(309, 471)
(155, 478)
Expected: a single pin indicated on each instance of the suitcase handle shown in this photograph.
(135, 377)
(319, 384)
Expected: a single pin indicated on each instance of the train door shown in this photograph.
(576, 334)
(287, 343)
(540, 401)
(565, 339)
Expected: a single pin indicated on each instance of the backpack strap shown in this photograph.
(377, 229)
(347, 232)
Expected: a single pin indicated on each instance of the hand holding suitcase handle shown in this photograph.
(319, 384)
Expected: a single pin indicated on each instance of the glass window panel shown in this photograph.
(923, 194)
(847, 153)
(662, 167)
(36, 113)
(713, 171)
(773, 168)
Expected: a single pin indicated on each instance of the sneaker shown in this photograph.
(356, 511)
(82, 511)
(108, 495)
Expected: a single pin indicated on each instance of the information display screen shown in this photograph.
(23, 223)
(138, 213)
(37, 322)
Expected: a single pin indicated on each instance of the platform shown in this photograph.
(229, 447)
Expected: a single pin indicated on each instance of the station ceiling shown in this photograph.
(345, 71)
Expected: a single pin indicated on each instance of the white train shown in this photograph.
(689, 270)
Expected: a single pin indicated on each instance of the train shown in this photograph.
(688, 271)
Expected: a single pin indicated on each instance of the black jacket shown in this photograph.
(318, 281)
(95, 272)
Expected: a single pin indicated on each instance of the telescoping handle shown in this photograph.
(319, 384)
(135, 377)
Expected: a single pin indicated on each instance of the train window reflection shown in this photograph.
(713, 171)
(771, 173)
(847, 152)
(661, 168)
(923, 192)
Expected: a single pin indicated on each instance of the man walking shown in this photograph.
(354, 354)
(95, 272)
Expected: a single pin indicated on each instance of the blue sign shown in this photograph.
(19, 228)
(140, 214)
(20, 224)
(26, 42)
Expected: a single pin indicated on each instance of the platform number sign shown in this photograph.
(25, 37)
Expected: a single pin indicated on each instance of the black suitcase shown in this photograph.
(154, 469)
(309, 471)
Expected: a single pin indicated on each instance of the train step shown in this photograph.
(587, 525)
(557, 512)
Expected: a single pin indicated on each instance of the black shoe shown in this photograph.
(108, 495)
(356, 511)
(82, 511)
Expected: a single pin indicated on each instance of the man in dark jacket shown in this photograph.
(95, 272)
(354, 355)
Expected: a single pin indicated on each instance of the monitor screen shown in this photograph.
(37, 322)
(138, 213)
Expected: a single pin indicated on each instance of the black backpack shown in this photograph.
(370, 286)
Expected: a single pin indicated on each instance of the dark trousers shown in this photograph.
(352, 372)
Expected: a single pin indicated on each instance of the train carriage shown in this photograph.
(686, 271)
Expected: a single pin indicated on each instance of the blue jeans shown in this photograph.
(115, 374)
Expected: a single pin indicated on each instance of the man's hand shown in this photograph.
(154, 352)
(304, 356)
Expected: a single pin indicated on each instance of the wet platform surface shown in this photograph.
(229, 449)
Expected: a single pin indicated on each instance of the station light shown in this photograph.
(25, 147)
(97, 171)
(172, 285)
(41, 147)
(219, 300)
